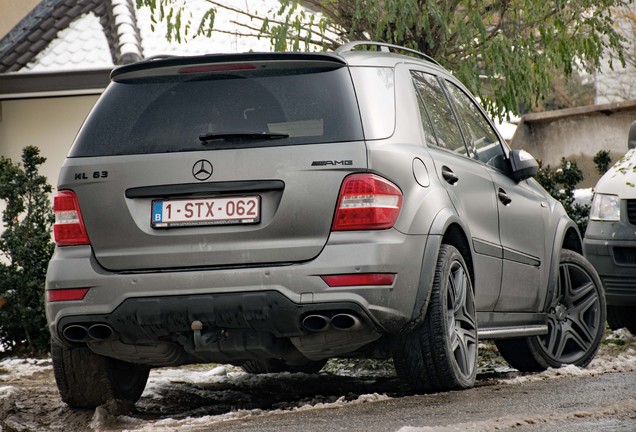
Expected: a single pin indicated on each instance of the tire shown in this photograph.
(276, 366)
(88, 380)
(622, 316)
(441, 353)
(576, 321)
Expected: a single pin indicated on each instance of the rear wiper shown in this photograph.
(241, 136)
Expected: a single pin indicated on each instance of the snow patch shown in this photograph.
(14, 368)
(6, 391)
(623, 362)
(191, 423)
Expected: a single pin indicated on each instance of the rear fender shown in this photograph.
(441, 223)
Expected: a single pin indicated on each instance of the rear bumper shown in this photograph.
(615, 262)
(262, 306)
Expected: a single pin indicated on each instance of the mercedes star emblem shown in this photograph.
(202, 170)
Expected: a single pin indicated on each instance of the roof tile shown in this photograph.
(62, 36)
(35, 36)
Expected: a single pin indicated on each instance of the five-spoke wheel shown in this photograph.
(576, 321)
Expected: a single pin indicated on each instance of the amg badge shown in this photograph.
(332, 163)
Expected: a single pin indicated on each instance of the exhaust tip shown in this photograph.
(76, 333)
(316, 323)
(100, 332)
(345, 322)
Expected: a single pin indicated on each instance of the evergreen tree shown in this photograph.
(25, 250)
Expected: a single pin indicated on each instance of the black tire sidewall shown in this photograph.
(423, 357)
(453, 255)
(88, 380)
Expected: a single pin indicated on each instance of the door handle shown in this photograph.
(449, 175)
(503, 197)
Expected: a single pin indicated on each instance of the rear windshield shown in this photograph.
(176, 113)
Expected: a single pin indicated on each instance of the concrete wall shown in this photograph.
(48, 123)
(578, 134)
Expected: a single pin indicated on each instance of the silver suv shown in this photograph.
(275, 210)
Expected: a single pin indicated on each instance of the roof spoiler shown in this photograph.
(168, 65)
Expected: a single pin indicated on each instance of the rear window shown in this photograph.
(172, 113)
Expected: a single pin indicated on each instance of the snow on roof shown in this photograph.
(92, 34)
(82, 45)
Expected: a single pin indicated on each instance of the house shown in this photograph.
(56, 57)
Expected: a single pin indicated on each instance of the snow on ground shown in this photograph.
(189, 423)
(617, 355)
(12, 368)
(583, 196)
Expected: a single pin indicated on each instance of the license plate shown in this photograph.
(206, 211)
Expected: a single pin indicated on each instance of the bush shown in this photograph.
(602, 160)
(560, 183)
(25, 250)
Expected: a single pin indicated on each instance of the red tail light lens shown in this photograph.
(367, 202)
(70, 294)
(359, 279)
(69, 227)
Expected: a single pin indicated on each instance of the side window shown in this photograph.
(439, 112)
(483, 142)
(426, 123)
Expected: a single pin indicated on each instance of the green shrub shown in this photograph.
(25, 250)
(560, 183)
(603, 161)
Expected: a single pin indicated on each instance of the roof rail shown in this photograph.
(384, 47)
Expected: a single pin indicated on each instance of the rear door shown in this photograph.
(468, 184)
(226, 163)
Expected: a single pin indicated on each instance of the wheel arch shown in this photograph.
(456, 236)
(567, 236)
(447, 228)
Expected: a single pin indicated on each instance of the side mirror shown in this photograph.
(523, 165)
(631, 138)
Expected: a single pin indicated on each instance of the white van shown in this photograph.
(610, 239)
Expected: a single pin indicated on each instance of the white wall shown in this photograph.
(48, 123)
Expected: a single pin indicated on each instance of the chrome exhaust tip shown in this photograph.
(345, 322)
(315, 323)
(100, 332)
(76, 333)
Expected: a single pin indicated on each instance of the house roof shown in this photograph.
(85, 39)
(87, 34)
(21, 46)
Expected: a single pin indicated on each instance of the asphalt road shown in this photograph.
(599, 403)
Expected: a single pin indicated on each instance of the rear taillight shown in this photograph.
(69, 227)
(359, 279)
(68, 294)
(367, 202)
